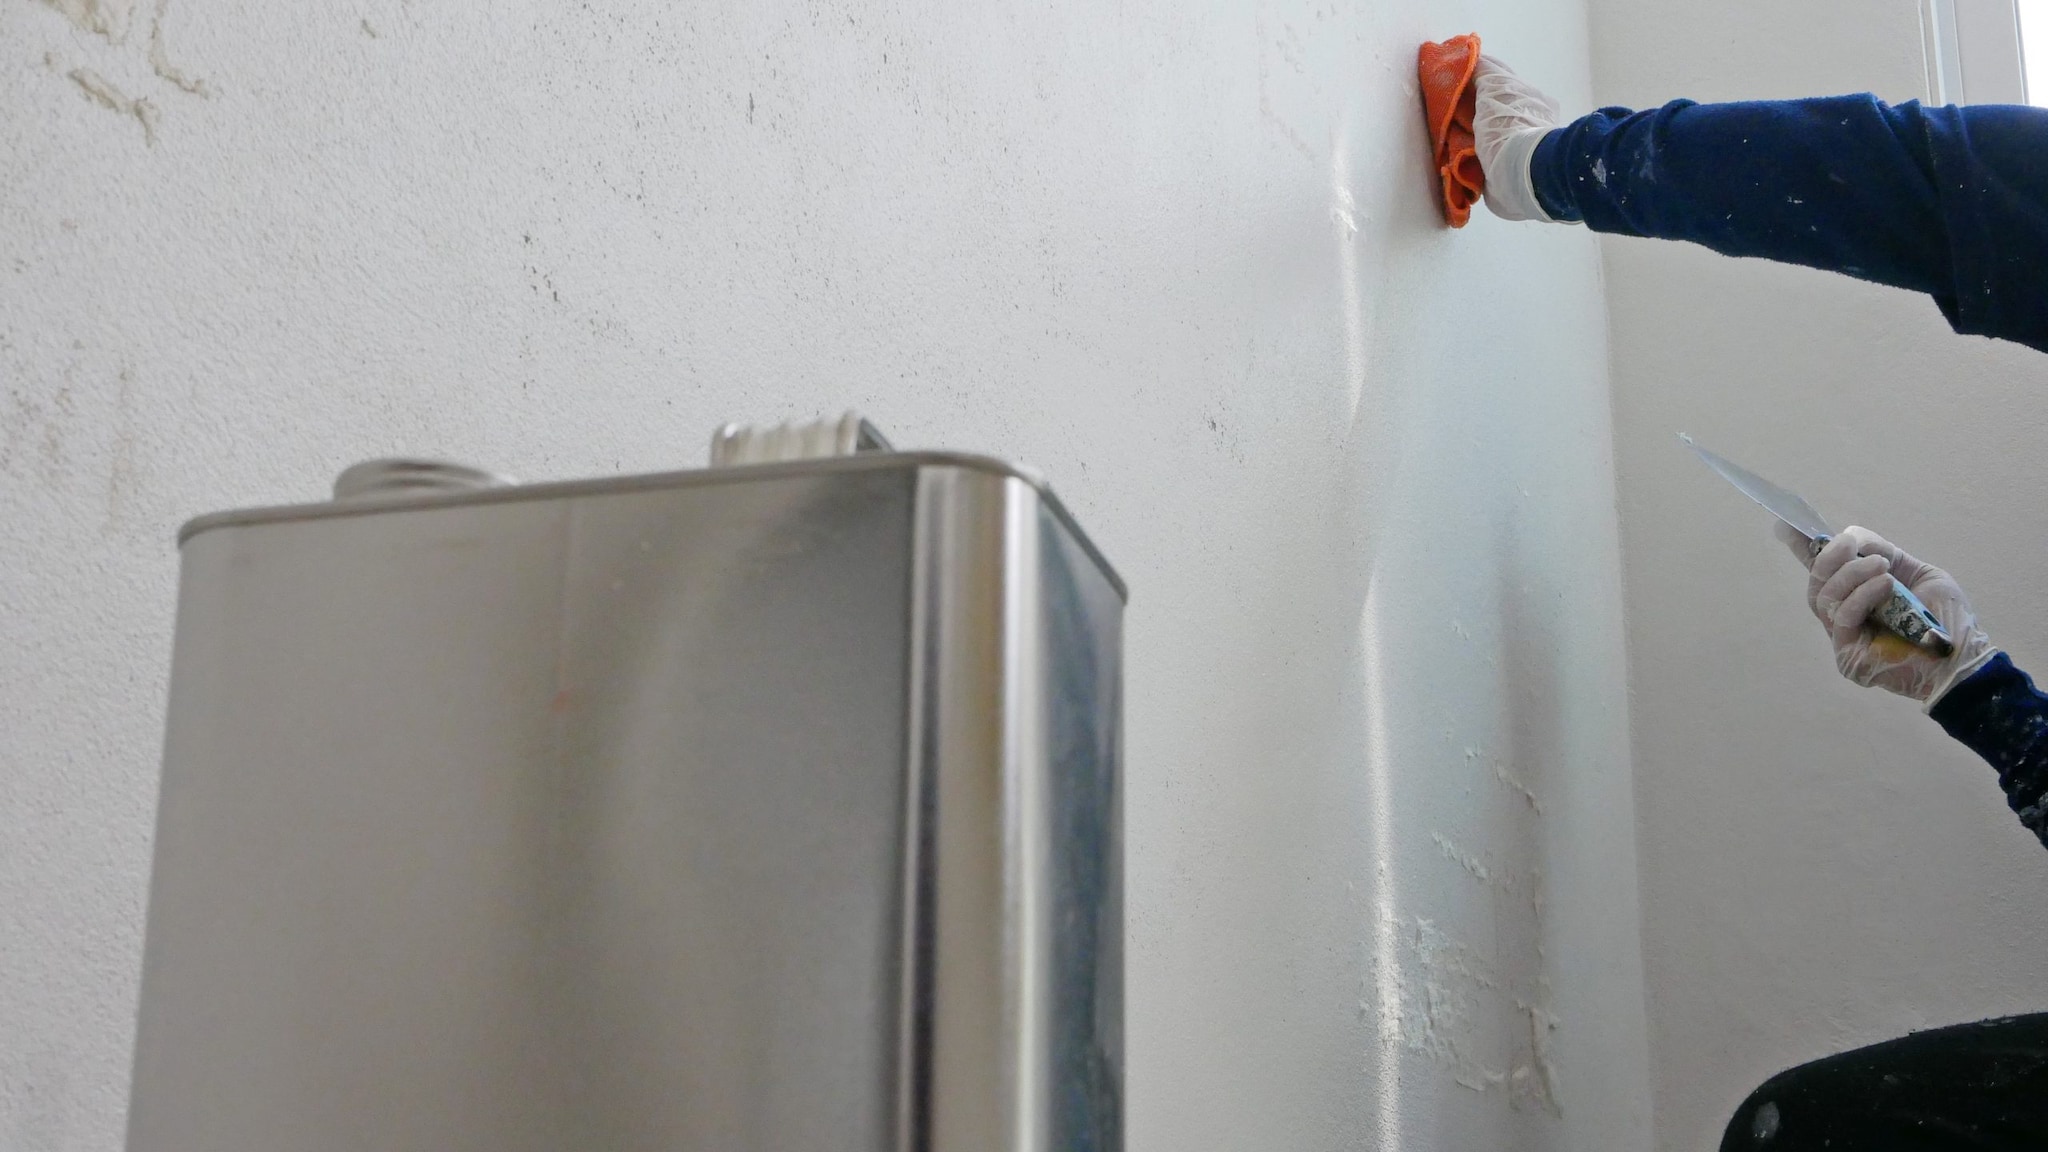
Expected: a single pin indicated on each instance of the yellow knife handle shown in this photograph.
(1903, 614)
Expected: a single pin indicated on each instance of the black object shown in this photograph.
(1982, 1087)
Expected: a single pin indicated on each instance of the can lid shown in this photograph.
(398, 477)
(479, 487)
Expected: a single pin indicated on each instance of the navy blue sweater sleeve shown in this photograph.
(2002, 717)
(1952, 202)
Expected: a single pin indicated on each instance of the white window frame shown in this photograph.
(1972, 49)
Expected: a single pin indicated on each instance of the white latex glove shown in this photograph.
(1846, 583)
(1510, 117)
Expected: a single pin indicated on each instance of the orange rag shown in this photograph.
(1447, 100)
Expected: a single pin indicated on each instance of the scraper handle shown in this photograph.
(1903, 615)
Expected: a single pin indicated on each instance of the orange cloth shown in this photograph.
(1447, 97)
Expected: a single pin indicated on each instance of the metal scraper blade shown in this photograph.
(1786, 506)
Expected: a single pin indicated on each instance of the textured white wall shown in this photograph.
(1821, 866)
(1382, 878)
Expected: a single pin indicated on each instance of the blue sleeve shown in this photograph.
(2002, 717)
(1952, 202)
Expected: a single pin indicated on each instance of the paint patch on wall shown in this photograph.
(1467, 991)
(1443, 1023)
(1451, 1005)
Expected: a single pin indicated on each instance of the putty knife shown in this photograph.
(1903, 615)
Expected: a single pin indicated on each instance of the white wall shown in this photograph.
(1821, 866)
(1184, 259)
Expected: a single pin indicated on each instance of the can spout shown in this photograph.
(737, 444)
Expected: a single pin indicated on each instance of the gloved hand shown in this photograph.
(1510, 117)
(1846, 583)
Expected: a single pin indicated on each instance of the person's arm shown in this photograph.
(1952, 202)
(2001, 716)
(1974, 692)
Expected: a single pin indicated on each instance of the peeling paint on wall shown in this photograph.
(1532, 1085)
(1462, 858)
(1446, 1021)
(1462, 996)
(1501, 774)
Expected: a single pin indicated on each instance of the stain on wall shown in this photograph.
(113, 99)
(112, 21)
(160, 58)
(108, 18)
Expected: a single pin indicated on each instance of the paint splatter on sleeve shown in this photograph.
(2002, 717)
(1952, 202)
